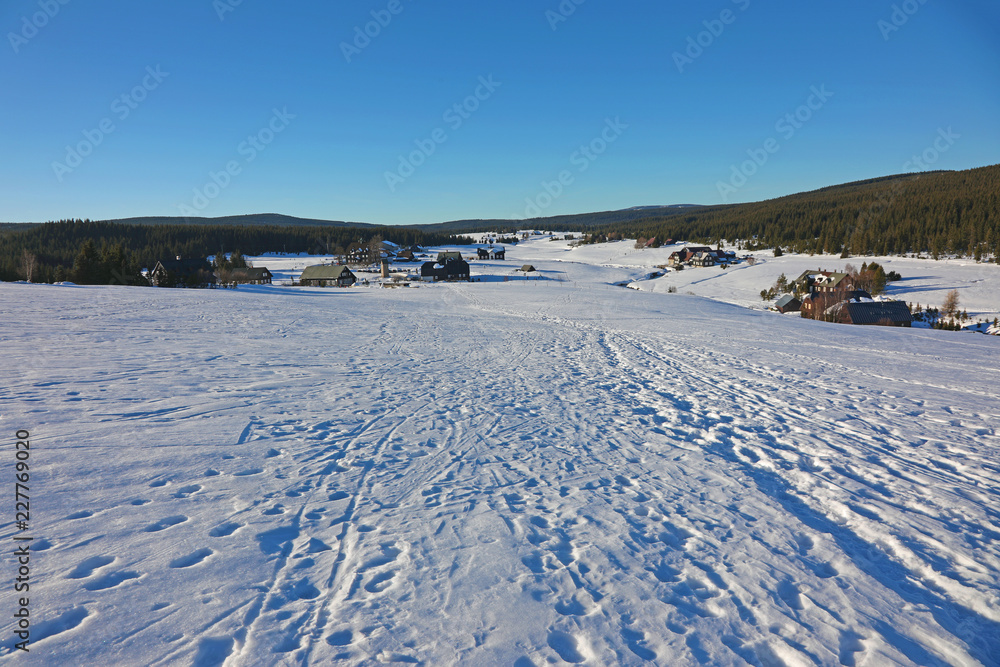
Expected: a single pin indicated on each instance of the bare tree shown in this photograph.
(950, 307)
(375, 249)
(27, 265)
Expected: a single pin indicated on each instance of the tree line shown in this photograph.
(937, 213)
(88, 252)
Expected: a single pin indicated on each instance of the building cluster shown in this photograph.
(833, 297)
(199, 273)
(701, 256)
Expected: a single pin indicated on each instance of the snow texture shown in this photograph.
(535, 472)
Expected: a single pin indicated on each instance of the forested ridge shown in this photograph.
(932, 213)
(955, 213)
(59, 249)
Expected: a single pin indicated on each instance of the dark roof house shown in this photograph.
(251, 276)
(453, 269)
(788, 304)
(182, 273)
(323, 275)
(823, 281)
(877, 313)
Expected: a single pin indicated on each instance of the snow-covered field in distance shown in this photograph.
(537, 472)
(925, 281)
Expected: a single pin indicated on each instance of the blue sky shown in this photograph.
(196, 107)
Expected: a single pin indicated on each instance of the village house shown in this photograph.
(704, 259)
(182, 273)
(250, 276)
(812, 282)
(788, 304)
(493, 252)
(686, 255)
(876, 313)
(451, 269)
(327, 275)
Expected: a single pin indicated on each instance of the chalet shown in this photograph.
(250, 276)
(452, 269)
(182, 273)
(788, 304)
(686, 255)
(324, 275)
(704, 259)
(527, 268)
(812, 282)
(876, 313)
(497, 252)
(406, 256)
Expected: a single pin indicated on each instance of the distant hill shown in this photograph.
(941, 212)
(250, 220)
(573, 222)
(935, 213)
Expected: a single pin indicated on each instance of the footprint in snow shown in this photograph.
(187, 491)
(163, 524)
(87, 567)
(112, 580)
(225, 530)
(340, 638)
(566, 645)
(636, 642)
(191, 559)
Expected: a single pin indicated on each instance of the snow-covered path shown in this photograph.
(524, 473)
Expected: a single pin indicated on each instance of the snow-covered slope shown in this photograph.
(524, 473)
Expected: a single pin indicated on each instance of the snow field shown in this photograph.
(527, 473)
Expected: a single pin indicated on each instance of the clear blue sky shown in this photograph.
(925, 81)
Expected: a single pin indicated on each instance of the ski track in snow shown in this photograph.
(515, 474)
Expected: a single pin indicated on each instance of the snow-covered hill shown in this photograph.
(518, 473)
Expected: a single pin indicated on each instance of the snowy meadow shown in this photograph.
(524, 472)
